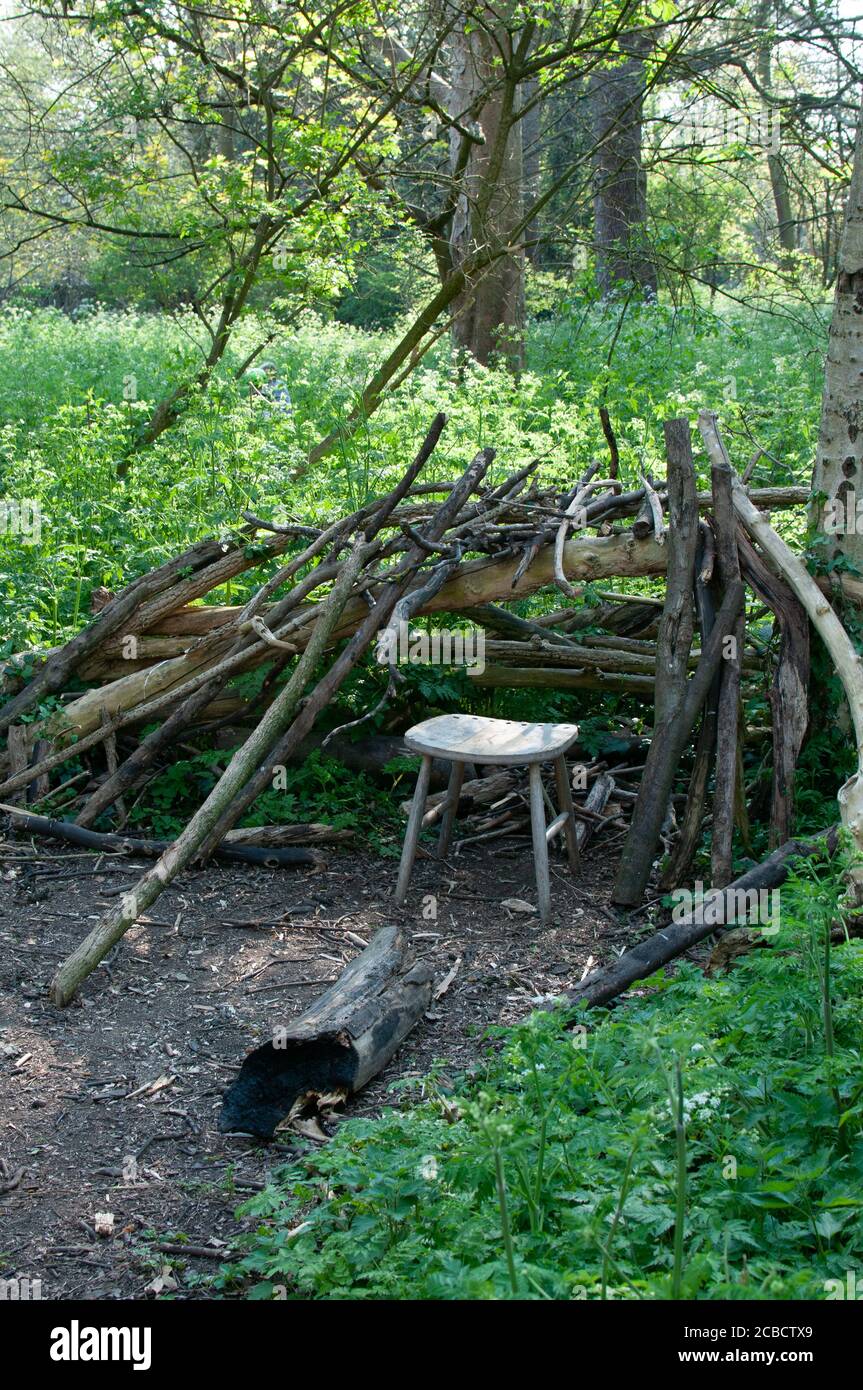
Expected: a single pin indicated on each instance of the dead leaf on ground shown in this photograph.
(517, 905)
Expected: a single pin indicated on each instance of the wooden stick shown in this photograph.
(272, 856)
(676, 624)
(189, 844)
(727, 722)
(663, 758)
(690, 826)
(789, 692)
(839, 645)
(665, 945)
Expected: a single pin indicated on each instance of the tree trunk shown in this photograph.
(490, 313)
(836, 478)
(620, 182)
(786, 224)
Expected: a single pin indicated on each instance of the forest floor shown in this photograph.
(108, 1109)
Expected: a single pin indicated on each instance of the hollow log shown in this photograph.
(337, 1045)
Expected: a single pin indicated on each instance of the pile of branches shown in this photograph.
(497, 805)
(154, 656)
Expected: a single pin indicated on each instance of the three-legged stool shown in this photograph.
(469, 738)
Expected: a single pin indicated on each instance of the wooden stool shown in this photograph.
(469, 738)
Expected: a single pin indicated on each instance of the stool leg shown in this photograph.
(540, 845)
(456, 777)
(412, 834)
(564, 801)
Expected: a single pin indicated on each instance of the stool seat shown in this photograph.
(473, 739)
(469, 738)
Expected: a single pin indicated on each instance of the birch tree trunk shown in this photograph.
(836, 479)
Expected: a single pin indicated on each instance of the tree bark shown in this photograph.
(837, 476)
(789, 693)
(690, 827)
(668, 742)
(620, 181)
(490, 313)
(786, 224)
(676, 624)
(728, 712)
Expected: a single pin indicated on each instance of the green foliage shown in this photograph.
(555, 1170)
(73, 393)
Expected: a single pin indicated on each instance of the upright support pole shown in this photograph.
(412, 834)
(540, 844)
(456, 777)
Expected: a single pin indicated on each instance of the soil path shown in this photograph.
(108, 1109)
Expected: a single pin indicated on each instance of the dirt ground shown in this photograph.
(108, 1109)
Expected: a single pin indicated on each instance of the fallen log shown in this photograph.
(337, 1045)
(558, 678)
(648, 956)
(240, 848)
(276, 836)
